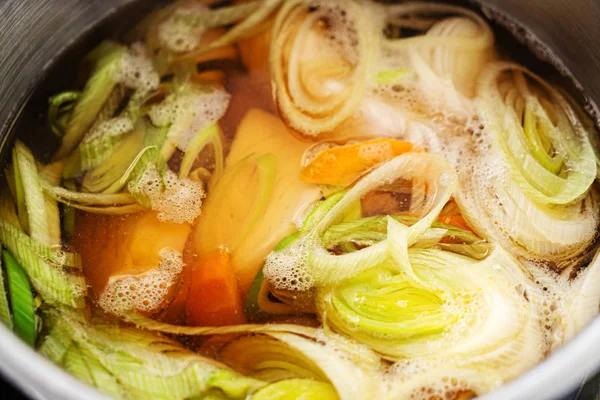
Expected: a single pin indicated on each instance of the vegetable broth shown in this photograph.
(329, 199)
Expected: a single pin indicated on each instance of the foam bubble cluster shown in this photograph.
(112, 127)
(287, 269)
(176, 200)
(146, 292)
(179, 36)
(137, 71)
(190, 112)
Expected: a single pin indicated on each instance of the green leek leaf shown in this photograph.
(21, 299)
(98, 89)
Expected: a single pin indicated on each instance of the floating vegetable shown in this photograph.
(132, 363)
(307, 262)
(320, 62)
(214, 296)
(259, 190)
(21, 300)
(340, 166)
(455, 44)
(104, 77)
(541, 203)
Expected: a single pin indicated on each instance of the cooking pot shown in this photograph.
(41, 42)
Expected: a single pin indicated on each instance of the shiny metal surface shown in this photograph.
(34, 32)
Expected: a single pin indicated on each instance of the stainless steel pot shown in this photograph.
(41, 41)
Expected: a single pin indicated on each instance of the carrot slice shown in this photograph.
(340, 166)
(455, 220)
(214, 296)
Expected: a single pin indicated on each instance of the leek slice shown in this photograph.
(559, 174)
(59, 109)
(290, 389)
(50, 281)
(443, 309)
(75, 364)
(317, 85)
(21, 300)
(248, 17)
(112, 169)
(582, 299)
(19, 192)
(188, 111)
(541, 204)
(532, 211)
(149, 157)
(5, 313)
(455, 45)
(279, 356)
(209, 135)
(55, 344)
(101, 141)
(43, 218)
(93, 96)
(309, 260)
(146, 365)
(151, 325)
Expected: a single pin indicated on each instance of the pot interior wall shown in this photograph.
(64, 73)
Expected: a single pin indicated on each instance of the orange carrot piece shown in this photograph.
(214, 296)
(340, 166)
(455, 220)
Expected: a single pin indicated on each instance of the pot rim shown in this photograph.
(555, 376)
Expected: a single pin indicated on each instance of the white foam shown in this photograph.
(146, 292)
(189, 112)
(112, 127)
(137, 71)
(287, 269)
(176, 200)
(179, 36)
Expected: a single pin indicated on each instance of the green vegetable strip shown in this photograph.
(374, 229)
(75, 364)
(92, 152)
(308, 389)
(20, 192)
(105, 381)
(52, 174)
(59, 347)
(8, 210)
(96, 92)
(536, 136)
(105, 175)
(42, 221)
(92, 199)
(21, 299)
(5, 314)
(209, 135)
(149, 366)
(54, 285)
(59, 107)
(154, 139)
(392, 76)
(58, 257)
(111, 105)
(57, 342)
